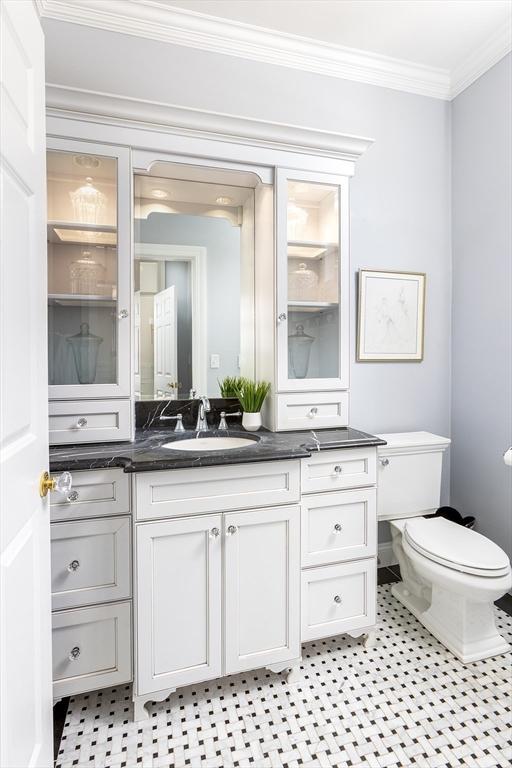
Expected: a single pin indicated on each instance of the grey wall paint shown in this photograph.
(481, 484)
(222, 242)
(400, 195)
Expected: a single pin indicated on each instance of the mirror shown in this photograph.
(193, 282)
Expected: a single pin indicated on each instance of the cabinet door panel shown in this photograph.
(178, 622)
(89, 294)
(262, 570)
(312, 284)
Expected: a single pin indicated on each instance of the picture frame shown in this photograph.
(391, 316)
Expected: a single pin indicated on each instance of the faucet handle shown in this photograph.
(223, 416)
(179, 421)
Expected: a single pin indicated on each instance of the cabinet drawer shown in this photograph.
(345, 468)
(90, 561)
(213, 489)
(89, 421)
(338, 526)
(338, 598)
(91, 648)
(312, 410)
(95, 493)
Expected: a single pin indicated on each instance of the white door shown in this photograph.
(262, 577)
(178, 602)
(25, 633)
(166, 342)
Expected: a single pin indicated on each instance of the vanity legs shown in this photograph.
(369, 637)
(139, 703)
(290, 667)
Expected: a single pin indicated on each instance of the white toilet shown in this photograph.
(451, 575)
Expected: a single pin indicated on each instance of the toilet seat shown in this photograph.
(456, 547)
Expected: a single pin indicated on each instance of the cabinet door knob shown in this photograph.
(82, 422)
(232, 529)
(281, 317)
(123, 314)
(338, 469)
(337, 528)
(214, 532)
(337, 599)
(313, 412)
(74, 565)
(74, 653)
(73, 496)
(384, 462)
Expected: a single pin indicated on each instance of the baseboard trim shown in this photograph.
(386, 555)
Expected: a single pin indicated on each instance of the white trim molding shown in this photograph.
(196, 255)
(482, 59)
(165, 23)
(113, 109)
(144, 18)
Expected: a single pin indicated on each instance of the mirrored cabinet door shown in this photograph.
(312, 273)
(88, 190)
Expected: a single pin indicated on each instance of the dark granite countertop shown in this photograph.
(145, 453)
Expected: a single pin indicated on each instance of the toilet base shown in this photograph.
(468, 631)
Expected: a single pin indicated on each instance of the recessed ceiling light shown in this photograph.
(159, 193)
(224, 200)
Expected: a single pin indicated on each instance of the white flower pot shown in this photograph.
(251, 421)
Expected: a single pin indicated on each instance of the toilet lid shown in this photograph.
(456, 547)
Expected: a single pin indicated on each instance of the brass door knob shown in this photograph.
(62, 483)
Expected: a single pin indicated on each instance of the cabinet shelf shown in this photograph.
(312, 306)
(79, 300)
(69, 232)
(309, 249)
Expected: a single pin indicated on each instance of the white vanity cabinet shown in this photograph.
(89, 291)
(339, 543)
(91, 557)
(307, 359)
(216, 593)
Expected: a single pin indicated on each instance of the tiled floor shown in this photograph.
(406, 702)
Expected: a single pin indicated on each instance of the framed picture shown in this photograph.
(391, 316)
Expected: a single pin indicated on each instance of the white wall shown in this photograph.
(400, 196)
(481, 484)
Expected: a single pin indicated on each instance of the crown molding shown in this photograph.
(485, 57)
(149, 19)
(109, 108)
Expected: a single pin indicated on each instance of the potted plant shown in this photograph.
(230, 385)
(252, 395)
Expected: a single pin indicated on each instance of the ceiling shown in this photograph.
(438, 33)
(430, 47)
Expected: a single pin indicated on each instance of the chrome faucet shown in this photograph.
(204, 408)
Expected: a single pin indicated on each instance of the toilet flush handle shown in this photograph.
(384, 462)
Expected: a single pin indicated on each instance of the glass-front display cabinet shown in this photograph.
(312, 288)
(88, 192)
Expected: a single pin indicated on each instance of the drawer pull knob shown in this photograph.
(384, 462)
(338, 469)
(313, 412)
(337, 599)
(74, 565)
(214, 532)
(82, 422)
(337, 528)
(232, 529)
(73, 496)
(74, 653)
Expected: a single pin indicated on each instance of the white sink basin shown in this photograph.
(209, 444)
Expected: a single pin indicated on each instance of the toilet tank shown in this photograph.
(409, 474)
